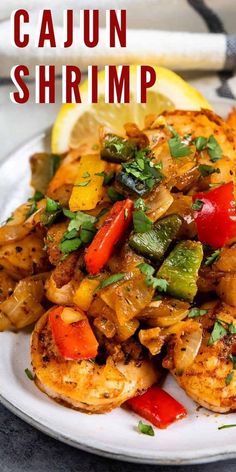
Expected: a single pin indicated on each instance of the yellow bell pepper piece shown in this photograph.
(84, 294)
(88, 189)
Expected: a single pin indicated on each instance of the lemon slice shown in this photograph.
(75, 122)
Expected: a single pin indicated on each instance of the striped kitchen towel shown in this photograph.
(185, 35)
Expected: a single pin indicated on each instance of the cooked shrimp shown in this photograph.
(85, 385)
(210, 380)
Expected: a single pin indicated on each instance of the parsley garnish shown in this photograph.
(194, 312)
(36, 198)
(139, 204)
(214, 149)
(206, 170)
(141, 222)
(224, 426)
(176, 145)
(83, 184)
(229, 378)
(86, 175)
(218, 333)
(70, 245)
(200, 143)
(212, 146)
(29, 374)
(213, 257)
(144, 169)
(197, 205)
(114, 195)
(81, 230)
(110, 280)
(146, 428)
(159, 284)
(52, 206)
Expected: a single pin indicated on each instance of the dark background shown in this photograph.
(24, 449)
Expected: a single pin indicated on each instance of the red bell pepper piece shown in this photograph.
(115, 225)
(158, 407)
(74, 341)
(216, 218)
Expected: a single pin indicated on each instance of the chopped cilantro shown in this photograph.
(218, 332)
(214, 149)
(159, 284)
(141, 222)
(197, 205)
(200, 143)
(86, 175)
(213, 257)
(194, 312)
(139, 204)
(224, 426)
(229, 378)
(33, 200)
(176, 145)
(114, 278)
(29, 374)
(52, 206)
(143, 169)
(68, 213)
(146, 428)
(83, 184)
(206, 170)
(79, 219)
(70, 245)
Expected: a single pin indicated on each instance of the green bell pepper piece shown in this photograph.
(154, 243)
(180, 270)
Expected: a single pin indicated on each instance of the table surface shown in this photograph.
(23, 448)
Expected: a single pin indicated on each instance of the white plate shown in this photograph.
(192, 440)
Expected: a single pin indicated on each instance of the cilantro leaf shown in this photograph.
(52, 206)
(200, 143)
(194, 312)
(146, 269)
(218, 333)
(159, 284)
(212, 258)
(33, 208)
(229, 378)
(29, 374)
(139, 204)
(176, 145)
(79, 219)
(114, 278)
(206, 170)
(83, 184)
(146, 428)
(197, 205)
(86, 175)
(232, 328)
(69, 245)
(214, 150)
(224, 426)
(141, 222)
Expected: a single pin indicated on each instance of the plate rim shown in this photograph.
(188, 457)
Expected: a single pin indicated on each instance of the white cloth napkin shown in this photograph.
(180, 34)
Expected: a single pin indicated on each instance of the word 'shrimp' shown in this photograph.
(117, 79)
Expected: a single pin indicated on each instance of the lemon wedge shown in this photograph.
(75, 122)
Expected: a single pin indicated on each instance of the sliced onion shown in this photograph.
(187, 345)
